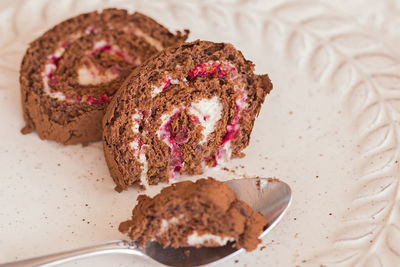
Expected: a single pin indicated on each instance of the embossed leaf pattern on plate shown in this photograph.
(367, 74)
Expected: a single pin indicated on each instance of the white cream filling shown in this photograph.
(208, 112)
(139, 152)
(156, 90)
(153, 42)
(224, 153)
(92, 75)
(195, 239)
(145, 168)
(99, 44)
(136, 119)
(141, 158)
(59, 52)
(165, 224)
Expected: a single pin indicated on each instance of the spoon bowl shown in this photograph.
(270, 197)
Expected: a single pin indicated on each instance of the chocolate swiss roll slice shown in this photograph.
(206, 213)
(70, 73)
(190, 107)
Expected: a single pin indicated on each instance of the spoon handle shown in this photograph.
(118, 246)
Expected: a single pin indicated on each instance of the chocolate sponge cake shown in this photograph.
(70, 73)
(205, 213)
(189, 107)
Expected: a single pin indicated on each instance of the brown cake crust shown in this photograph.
(205, 207)
(155, 125)
(66, 106)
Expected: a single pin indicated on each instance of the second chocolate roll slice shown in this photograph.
(70, 73)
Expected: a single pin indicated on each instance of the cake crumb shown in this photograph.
(228, 170)
(236, 261)
(262, 248)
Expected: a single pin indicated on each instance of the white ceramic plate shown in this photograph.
(330, 129)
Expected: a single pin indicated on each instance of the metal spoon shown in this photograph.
(270, 197)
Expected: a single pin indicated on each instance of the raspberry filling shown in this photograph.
(166, 83)
(50, 80)
(91, 30)
(104, 46)
(205, 112)
(165, 134)
(232, 131)
(211, 68)
(223, 70)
